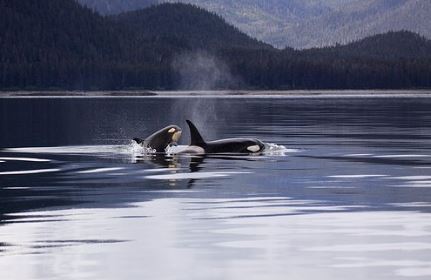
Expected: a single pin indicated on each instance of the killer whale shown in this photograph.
(231, 145)
(161, 139)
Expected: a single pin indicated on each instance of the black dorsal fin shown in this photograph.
(195, 137)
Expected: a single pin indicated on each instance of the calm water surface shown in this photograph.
(345, 194)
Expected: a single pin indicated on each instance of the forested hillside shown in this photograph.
(59, 44)
(305, 23)
(389, 46)
(185, 26)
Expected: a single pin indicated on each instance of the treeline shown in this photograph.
(107, 7)
(59, 44)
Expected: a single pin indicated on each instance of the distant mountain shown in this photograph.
(380, 59)
(47, 44)
(185, 26)
(190, 37)
(308, 23)
(61, 44)
(353, 20)
(388, 46)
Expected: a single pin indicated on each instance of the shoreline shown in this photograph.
(216, 93)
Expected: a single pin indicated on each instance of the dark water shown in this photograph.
(344, 192)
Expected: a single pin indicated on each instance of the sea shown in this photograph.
(342, 190)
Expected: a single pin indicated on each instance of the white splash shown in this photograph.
(183, 149)
(272, 149)
(135, 148)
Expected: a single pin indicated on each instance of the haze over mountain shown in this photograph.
(304, 23)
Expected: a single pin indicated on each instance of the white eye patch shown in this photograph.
(172, 130)
(176, 136)
(253, 149)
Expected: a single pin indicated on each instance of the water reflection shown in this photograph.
(182, 235)
(349, 198)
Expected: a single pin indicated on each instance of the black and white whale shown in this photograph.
(231, 145)
(160, 140)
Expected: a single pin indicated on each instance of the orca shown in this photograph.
(232, 145)
(160, 140)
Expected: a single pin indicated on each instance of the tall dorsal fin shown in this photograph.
(195, 136)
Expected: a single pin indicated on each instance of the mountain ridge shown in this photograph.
(63, 45)
(391, 45)
(312, 23)
(186, 31)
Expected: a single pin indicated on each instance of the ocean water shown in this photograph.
(342, 192)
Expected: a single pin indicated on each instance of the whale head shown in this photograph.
(161, 139)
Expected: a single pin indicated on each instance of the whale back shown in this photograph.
(195, 136)
(231, 145)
